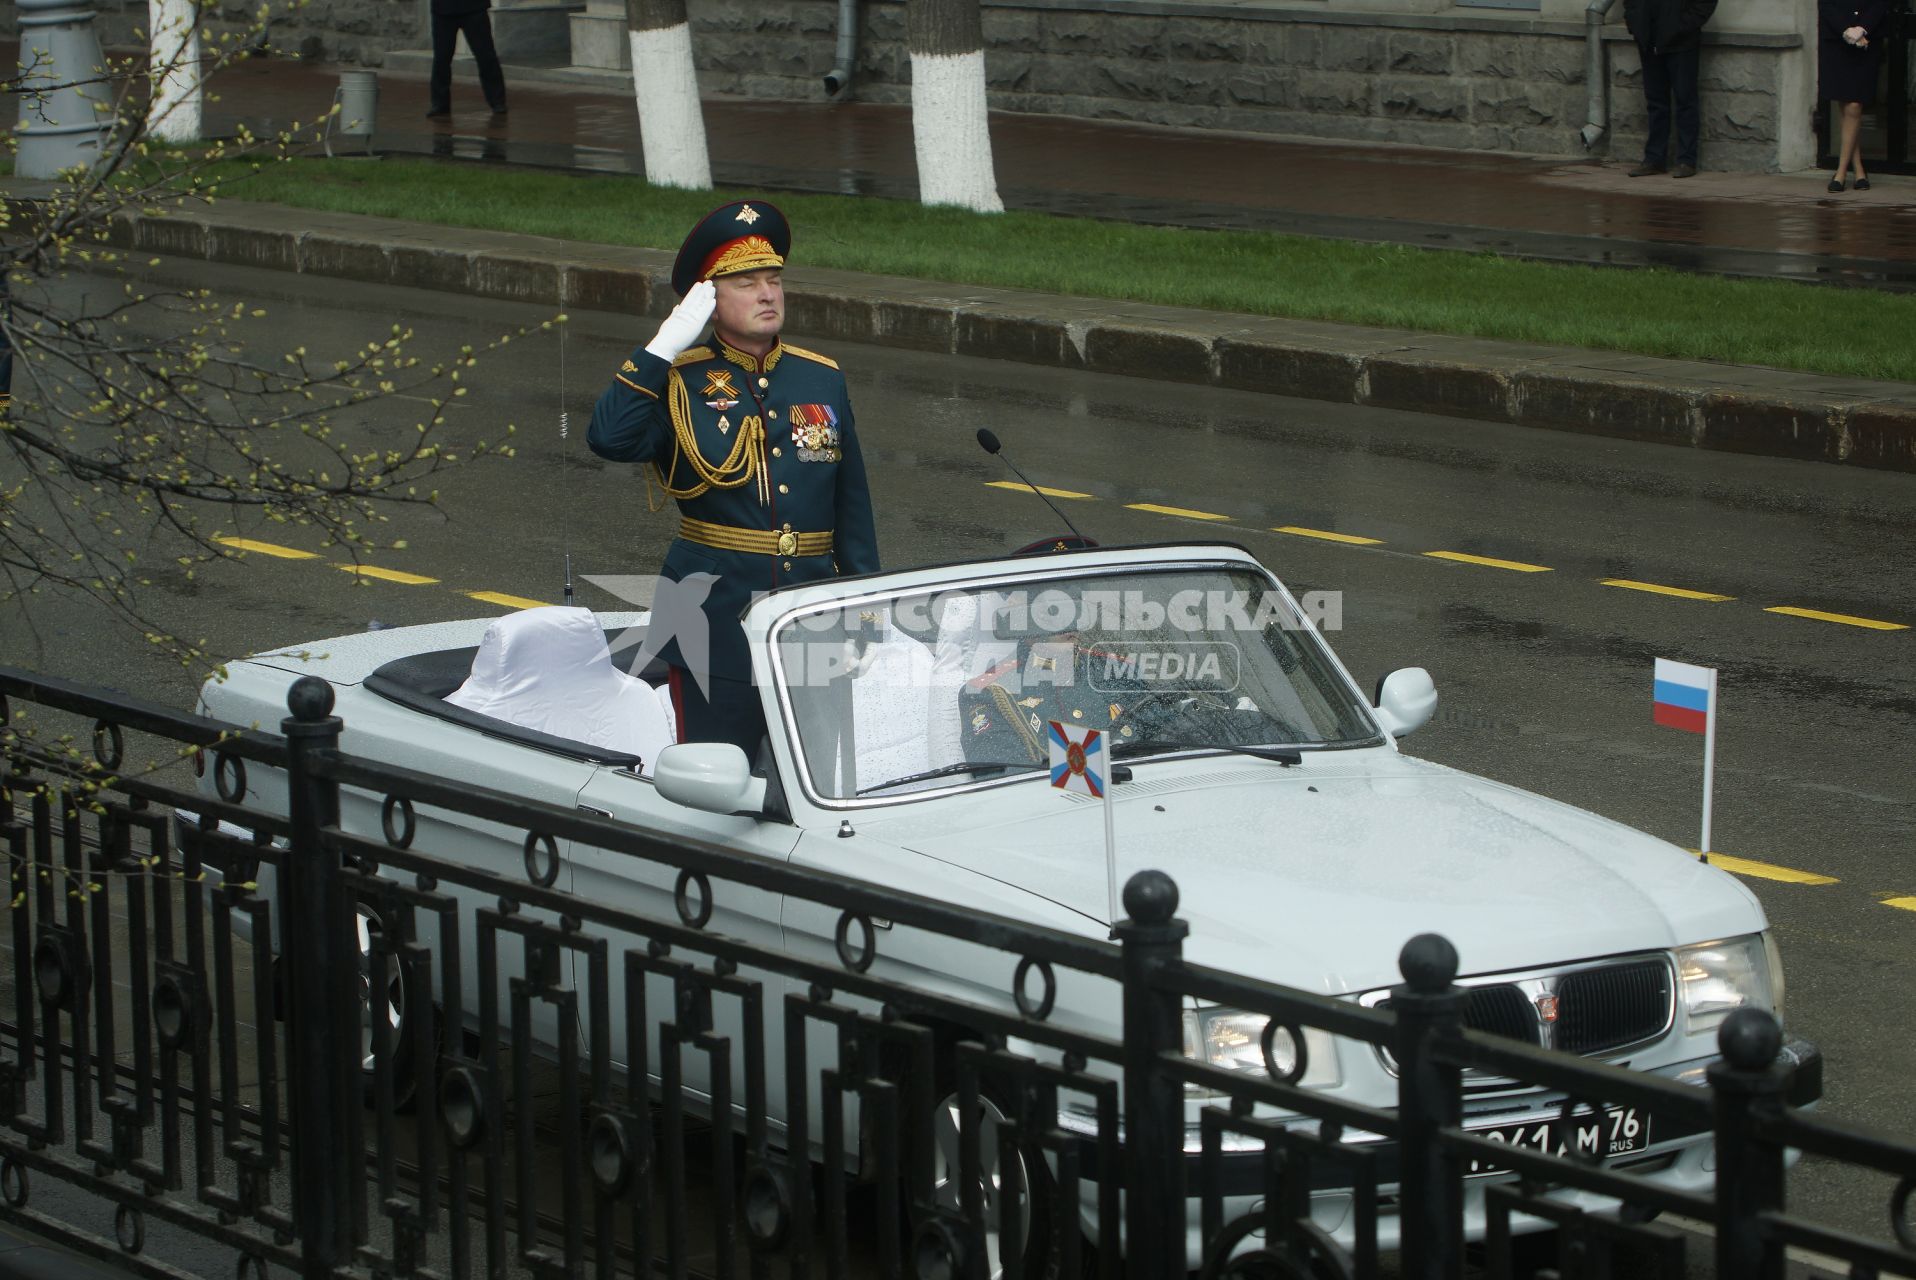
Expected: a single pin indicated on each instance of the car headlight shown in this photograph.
(1718, 978)
(1234, 1040)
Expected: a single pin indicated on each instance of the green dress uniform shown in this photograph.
(762, 457)
(1004, 712)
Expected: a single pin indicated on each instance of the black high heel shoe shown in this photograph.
(1862, 184)
(1836, 184)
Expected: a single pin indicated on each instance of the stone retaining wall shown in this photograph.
(1470, 79)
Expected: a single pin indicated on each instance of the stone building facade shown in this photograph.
(1490, 75)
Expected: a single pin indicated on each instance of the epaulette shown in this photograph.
(692, 355)
(791, 350)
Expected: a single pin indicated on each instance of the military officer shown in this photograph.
(1004, 710)
(754, 439)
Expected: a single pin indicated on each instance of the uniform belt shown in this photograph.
(762, 542)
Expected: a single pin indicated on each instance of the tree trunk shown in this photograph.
(949, 124)
(671, 124)
(173, 115)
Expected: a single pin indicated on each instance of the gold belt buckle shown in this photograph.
(787, 542)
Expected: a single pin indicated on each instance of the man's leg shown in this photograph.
(439, 95)
(1656, 98)
(492, 80)
(1685, 69)
(730, 711)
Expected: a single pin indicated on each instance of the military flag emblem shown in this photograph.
(1077, 759)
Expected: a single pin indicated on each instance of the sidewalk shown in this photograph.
(1769, 225)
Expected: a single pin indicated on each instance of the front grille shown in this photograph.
(1614, 1005)
(1502, 1010)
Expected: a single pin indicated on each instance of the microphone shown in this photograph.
(991, 445)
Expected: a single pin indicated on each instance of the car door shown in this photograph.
(481, 760)
(738, 908)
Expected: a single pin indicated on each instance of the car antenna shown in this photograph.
(991, 445)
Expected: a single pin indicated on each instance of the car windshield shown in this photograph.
(893, 696)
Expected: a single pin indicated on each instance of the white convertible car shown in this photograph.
(909, 718)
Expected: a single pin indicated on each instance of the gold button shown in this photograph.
(784, 488)
(776, 453)
(764, 382)
(788, 564)
(771, 413)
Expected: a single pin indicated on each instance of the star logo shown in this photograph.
(748, 215)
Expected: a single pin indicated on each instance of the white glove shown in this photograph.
(687, 321)
(1855, 35)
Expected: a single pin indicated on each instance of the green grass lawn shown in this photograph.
(1856, 332)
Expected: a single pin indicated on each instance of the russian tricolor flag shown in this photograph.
(1684, 695)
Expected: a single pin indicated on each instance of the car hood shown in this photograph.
(1317, 875)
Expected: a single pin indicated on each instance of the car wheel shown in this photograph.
(1004, 1173)
(382, 997)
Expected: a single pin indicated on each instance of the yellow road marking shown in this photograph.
(1489, 562)
(386, 575)
(1186, 512)
(1046, 490)
(1901, 904)
(1848, 620)
(1328, 536)
(266, 548)
(510, 602)
(1682, 593)
(1767, 871)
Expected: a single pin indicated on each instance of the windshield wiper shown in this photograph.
(1150, 746)
(945, 771)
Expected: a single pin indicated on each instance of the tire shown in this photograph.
(1021, 1171)
(382, 995)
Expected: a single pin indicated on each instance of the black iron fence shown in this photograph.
(337, 1018)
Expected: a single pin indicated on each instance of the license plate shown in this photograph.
(1616, 1132)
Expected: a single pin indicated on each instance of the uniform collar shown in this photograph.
(745, 360)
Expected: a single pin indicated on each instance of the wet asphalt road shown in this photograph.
(1544, 675)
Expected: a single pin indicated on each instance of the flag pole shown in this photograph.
(1709, 766)
(1110, 850)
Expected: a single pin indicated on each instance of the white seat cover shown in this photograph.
(891, 711)
(548, 669)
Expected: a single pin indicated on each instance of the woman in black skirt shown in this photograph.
(1851, 52)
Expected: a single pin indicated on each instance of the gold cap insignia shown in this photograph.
(748, 215)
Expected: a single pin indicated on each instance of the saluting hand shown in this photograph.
(687, 321)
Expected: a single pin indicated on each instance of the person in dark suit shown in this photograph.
(753, 438)
(1849, 54)
(453, 18)
(1669, 36)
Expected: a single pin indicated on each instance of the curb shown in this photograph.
(1729, 408)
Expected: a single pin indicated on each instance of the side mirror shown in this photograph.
(711, 776)
(1406, 699)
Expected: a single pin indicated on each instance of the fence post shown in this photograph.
(1429, 1097)
(1748, 1087)
(319, 989)
(1154, 1211)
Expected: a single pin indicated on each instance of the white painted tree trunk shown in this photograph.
(950, 131)
(174, 65)
(671, 124)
